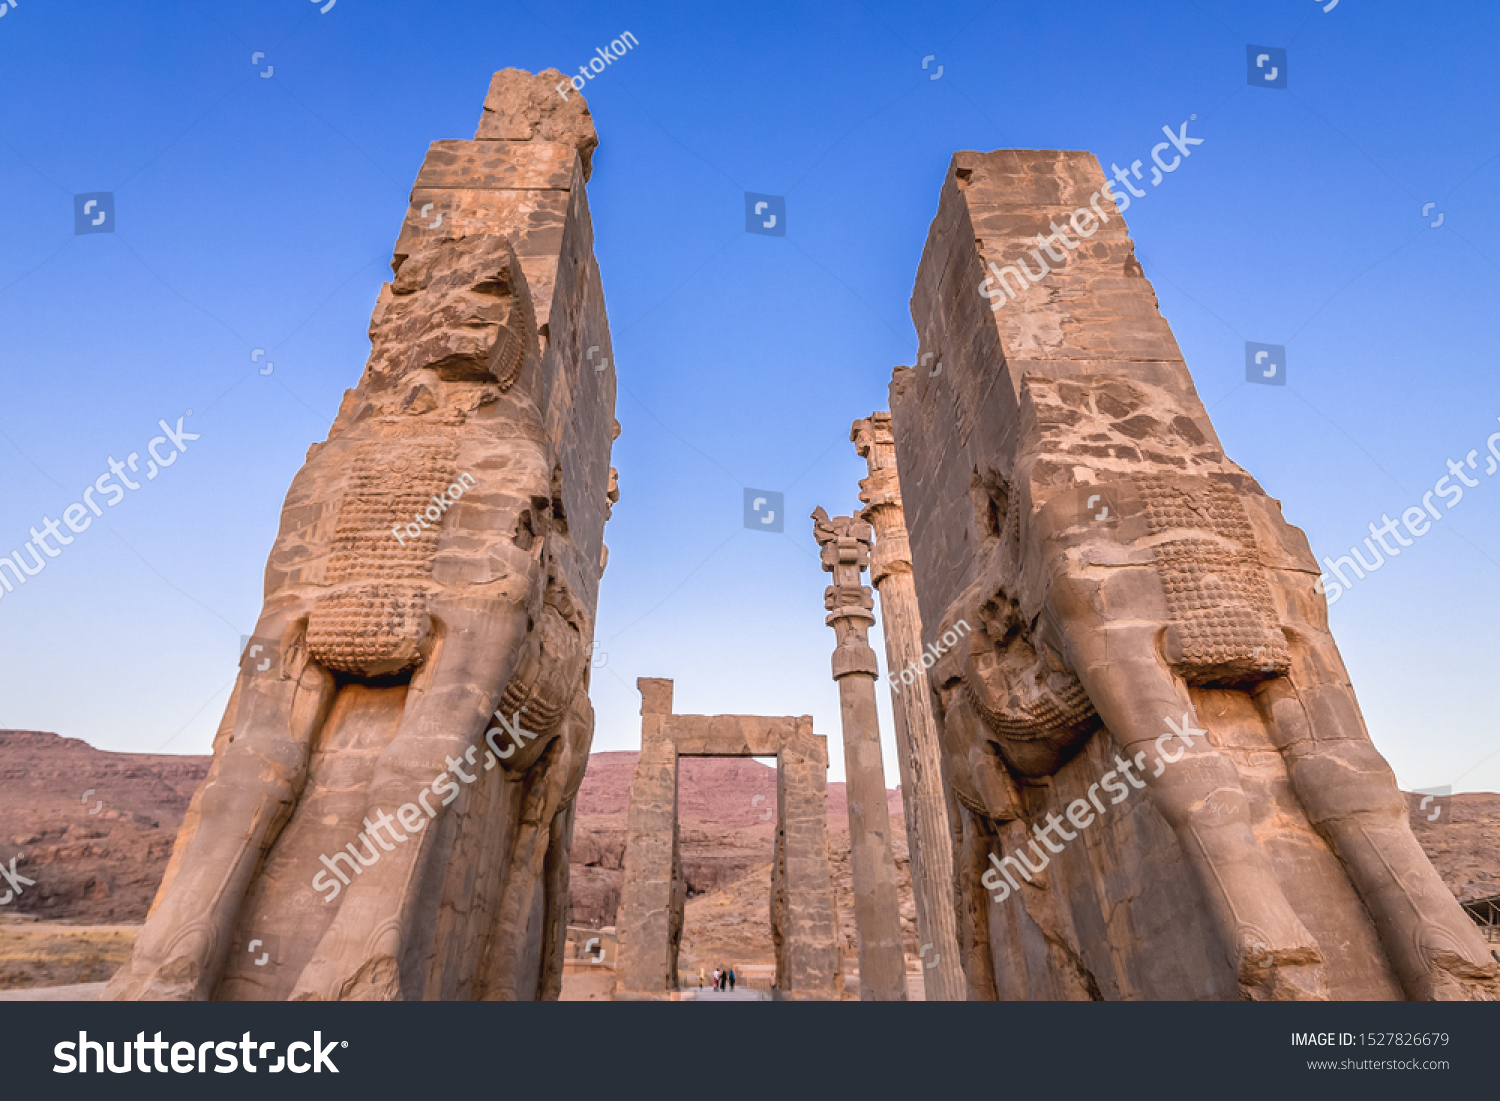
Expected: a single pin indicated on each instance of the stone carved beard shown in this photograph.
(452, 336)
(373, 621)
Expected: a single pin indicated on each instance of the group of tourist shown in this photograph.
(723, 978)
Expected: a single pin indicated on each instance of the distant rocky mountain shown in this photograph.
(1462, 841)
(95, 829)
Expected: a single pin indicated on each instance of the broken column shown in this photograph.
(929, 839)
(846, 554)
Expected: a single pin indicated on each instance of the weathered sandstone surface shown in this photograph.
(435, 577)
(1119, 601)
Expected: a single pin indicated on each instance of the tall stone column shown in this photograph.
(877, 916)
(929, 837)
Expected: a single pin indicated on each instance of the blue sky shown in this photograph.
(258, 212)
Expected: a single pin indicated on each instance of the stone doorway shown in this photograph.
(650, 917)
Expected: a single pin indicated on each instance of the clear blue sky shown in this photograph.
(259, 212)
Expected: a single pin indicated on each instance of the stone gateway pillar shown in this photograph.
(388, 812)
(929, 839)
(845, 545)
(648, 928)
(1165, 788)
(804, 921)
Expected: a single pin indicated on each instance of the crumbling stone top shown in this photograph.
(522, 106)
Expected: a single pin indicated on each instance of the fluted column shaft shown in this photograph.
(928, 834)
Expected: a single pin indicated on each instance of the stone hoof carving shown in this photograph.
(433, 582)
(378, 980)
(1135, 608)
(1283, 972)
(1456, 971)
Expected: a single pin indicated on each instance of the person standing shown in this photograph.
(716, 978)
(731, 978)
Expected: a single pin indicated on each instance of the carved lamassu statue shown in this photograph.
(1161, 779)
(413, 594)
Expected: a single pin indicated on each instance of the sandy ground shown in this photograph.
(60, 954)
(595, 987)
(78, 992)
(598, 987)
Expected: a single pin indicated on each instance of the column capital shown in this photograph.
(845, 542)
(881, 493)
(873, 439)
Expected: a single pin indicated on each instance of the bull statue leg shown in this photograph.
(1193, 583)
(1199, 795)
(1352, 800)
(182, 949)
(360, 955)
